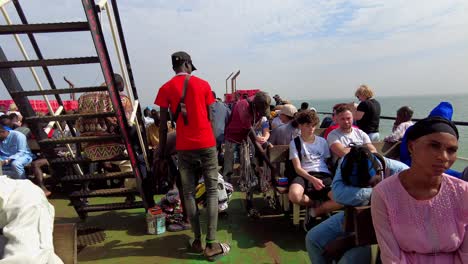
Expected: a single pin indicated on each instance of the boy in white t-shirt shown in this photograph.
(313, 181)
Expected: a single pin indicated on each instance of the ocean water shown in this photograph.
(421, 105)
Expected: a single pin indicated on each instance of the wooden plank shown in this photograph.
(65, 243)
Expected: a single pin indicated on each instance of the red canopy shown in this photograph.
(41, 105)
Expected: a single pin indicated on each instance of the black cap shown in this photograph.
(180, 57)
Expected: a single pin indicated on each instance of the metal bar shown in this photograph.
(233, 82)
(227, 79)
(44, 28)
(52, 123)
(49, 62)
(81, 139)
(33, 71)
(133, 115)
(141, 133)
(102, 4)
(46, 72)
(4, 2)
(101, 48)
(62, 91)
(458, 123)
(12, 84)
(68, 117)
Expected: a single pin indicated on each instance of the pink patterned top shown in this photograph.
(421, 231)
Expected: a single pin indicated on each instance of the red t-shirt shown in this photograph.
(240, 123)
(198, 134)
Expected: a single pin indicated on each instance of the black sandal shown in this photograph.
(195, 246)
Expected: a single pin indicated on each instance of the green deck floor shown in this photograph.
(271, 239)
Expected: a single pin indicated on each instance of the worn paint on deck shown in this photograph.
(268, 240)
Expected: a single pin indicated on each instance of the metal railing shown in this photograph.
(458, 123)
(20, 45)
(125, 67)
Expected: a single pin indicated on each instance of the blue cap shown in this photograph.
(443, 110)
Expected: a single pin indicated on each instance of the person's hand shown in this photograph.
(317, 183)
(261, 140)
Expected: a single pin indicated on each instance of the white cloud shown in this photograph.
(296, 48)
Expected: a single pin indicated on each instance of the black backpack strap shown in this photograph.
(297, 143)
(181, 108)
(383, 165)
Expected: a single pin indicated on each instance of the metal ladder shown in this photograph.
(20, 97)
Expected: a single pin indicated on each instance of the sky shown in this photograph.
(298, 49)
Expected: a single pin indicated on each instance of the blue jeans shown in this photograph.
(319, 236)
(15, 169)
(374, 137)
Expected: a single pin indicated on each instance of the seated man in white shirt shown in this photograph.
(27, 219)
(340, 138)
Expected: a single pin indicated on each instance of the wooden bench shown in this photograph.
(360, 232)
(65, 242)
(389, 150)
(278, 156)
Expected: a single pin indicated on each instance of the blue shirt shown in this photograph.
(14, 146)
(355, 196)
(221, 115)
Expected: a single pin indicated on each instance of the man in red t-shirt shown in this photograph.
(195, 145)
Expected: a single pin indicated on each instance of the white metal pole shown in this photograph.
(4, 2)
(36, 77)
(124, 71)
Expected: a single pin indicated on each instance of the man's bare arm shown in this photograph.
(259, 148)
(339, 149)
(163, 132)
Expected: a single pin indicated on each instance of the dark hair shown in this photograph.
(307, 117)
(4, 120)
(119, 82)
(405, 112)
(342, 108)
(146, 112)
(304, 105)
(12, 115)
(262, 98)
(337, 106)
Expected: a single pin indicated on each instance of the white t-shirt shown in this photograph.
(313, 154)
(356, 136)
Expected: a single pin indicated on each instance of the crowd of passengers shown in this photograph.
(419, 207)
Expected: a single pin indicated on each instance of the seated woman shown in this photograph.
(421, 214)
(262, 131)
(402, 123)
(313, 178)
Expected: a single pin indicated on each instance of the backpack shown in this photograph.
(225, 190)
(289, 171)
(360, 165)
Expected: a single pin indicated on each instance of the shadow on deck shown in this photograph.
(270, 239)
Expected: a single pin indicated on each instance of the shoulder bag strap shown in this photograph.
(181, 107)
